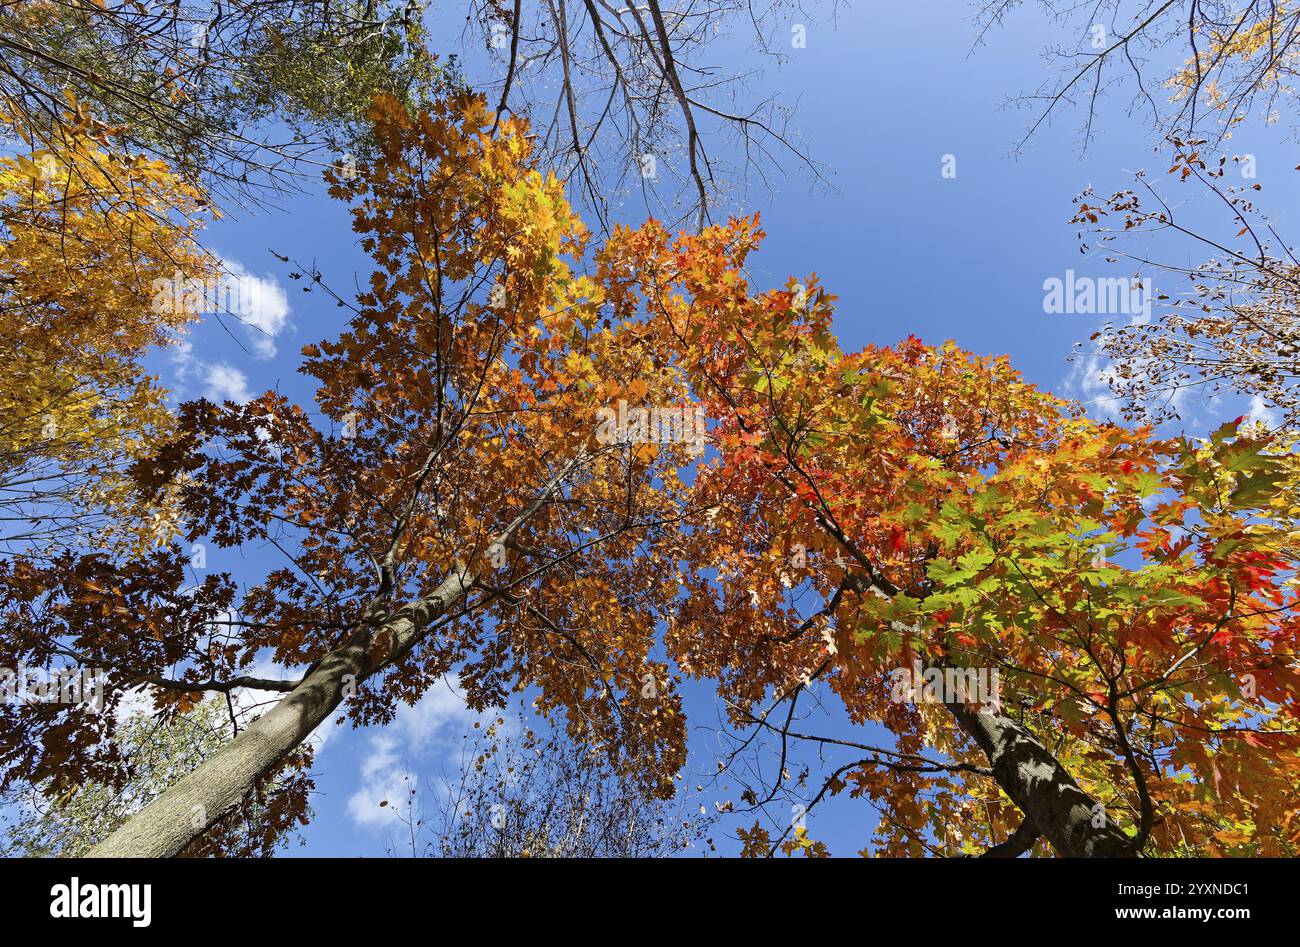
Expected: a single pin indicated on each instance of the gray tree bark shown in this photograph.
(169, 823)
(1076, 825)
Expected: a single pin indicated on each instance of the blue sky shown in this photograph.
(883, 94)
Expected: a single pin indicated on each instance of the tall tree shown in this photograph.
(89, 234)
(67, 820)
(445, 520)
(507, 487)
(916, 507)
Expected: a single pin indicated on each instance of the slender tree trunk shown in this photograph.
(174, 819)
(1074, 823)
(169, 823)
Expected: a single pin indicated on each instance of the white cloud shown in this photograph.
(225, 383)
(137, 702)
(383, 780)
(434, 723)
(219, 380)
(260, 303)
(262, 307)
(1090, 380)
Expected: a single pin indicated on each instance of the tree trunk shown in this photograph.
(169, 823)
(178, 816)
(1072, 821)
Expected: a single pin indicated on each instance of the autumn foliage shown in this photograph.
(448, 507)
(85, 233)
(1136, 595)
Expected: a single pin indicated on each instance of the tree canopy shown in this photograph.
(601, 467)
(836, 517)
